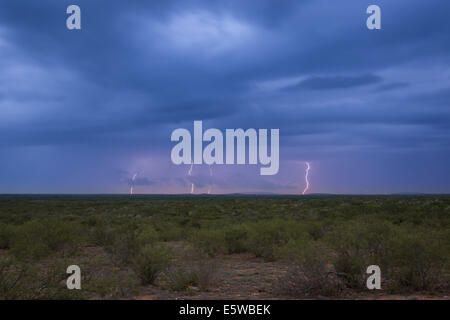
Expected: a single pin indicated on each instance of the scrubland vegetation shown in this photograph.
(124, 245)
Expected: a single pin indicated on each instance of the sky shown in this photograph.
(83, 111)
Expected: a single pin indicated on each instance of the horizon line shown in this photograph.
(226, 194)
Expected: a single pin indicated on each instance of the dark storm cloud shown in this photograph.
(336, 82)
(440, 98)
(137, 70)
(393, 86)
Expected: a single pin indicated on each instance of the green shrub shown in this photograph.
(410, 258)
(13, 279)
(266, 237)
(205, 271)
(315, 230)
(420, 261)
(351, 268)
(292, 249)
(310, 275)
(6, 234)
(169, 231)
(150, 261)
(103, 234)
(235, 238)
(147, 234)
(358, 244)
(19, 280)
(181, 279)
(37, 238)
(125, 244)
(209, 242)
(110, 284)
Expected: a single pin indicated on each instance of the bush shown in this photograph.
(103, 234)
(410, 258)
(181, 279)
(6, 234)
(170, 231)
(125, 245)
(266, 237)
(18, 280)
(358, 244)
(420, 261)
(13, 278)
(147, 234)
(37, 238)
(235, 238)
(110, 284)
(209, 242)
(310, 276)
(351, 268)
(315, 230)
(205, 273)
(150, 261)
(291, 250)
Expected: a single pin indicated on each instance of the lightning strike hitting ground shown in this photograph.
(306, 178)
(132, 181)
(190, 175)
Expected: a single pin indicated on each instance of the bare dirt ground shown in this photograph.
(243, 276)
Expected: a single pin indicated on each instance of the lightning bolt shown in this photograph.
(132, 181)
(190, 175)
(211, 175)
(308, 166)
